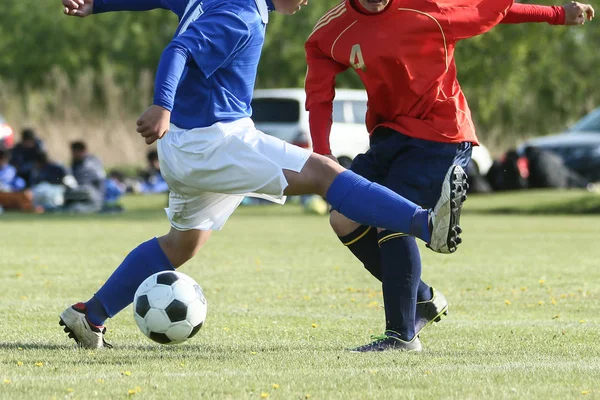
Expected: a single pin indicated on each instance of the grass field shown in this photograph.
(286, 300)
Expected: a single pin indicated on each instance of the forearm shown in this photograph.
(522, 13)
(319, 118)
(102, 6)
(170, 69)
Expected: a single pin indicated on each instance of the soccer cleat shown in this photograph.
(445, 217)
(430, 311)
(85, 334)
(390, 340)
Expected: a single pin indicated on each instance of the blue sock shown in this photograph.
(401, 274)
(371, 204)
(118, 291)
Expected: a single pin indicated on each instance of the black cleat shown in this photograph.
(430, 311)
(389, 341)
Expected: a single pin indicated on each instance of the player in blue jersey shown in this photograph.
(211, 156)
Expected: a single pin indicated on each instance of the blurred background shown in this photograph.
(88, 80)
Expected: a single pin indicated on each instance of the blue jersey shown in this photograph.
(207, 72)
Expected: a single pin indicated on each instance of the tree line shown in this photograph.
(519, 79)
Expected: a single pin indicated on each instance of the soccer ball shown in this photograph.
(169, 307)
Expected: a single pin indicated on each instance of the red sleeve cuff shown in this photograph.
(319, 118)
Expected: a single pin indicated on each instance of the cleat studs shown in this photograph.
(458, 230)
(458, 241)
(61, 322)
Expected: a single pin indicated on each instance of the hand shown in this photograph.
(154, 123)
(577, 13)
(78, 8)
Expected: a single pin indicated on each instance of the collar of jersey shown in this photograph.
(377, 16)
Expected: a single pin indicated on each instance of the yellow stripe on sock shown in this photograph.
(362, 235)
(390, 237)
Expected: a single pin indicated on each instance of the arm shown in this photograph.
(569, 14)
(206, 45)
(468, 18)
(83, 8)
(320, 91)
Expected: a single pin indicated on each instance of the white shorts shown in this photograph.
(210, 170)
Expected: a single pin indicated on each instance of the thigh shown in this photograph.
(419, 172)
(204, 212)
(238, 160)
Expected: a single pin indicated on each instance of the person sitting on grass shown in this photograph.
(13, 195)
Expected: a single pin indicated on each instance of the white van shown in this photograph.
(281, 113)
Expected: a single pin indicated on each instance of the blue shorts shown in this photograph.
(413, 168)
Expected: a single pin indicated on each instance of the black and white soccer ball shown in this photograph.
(169, 307)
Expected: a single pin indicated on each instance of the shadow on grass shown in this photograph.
(32, 346)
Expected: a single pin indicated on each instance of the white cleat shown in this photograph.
(85, 334)
(445, 217)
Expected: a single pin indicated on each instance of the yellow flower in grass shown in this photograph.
(264, 395)
(39, 364)
(314, 325)
(275, 386)
(507, 302)
(373, 304)
(19, 363)
(540, 303)
(18, 274)
(100, 380)
(126, 373)
(307, 396)
(542, 281)
(582, 321)
(69, 390)
(584, 392)
(553, 301)
(6, 381)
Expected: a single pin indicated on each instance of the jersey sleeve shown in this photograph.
(522, 13)
(214, 39)
(103, 6)
(470, 18)
(320, 91)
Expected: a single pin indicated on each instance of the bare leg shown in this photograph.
(180, 246)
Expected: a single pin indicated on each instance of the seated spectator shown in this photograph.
(88, 194)
(9, 180)
(115, 189)
(152, 180)
(25, 151)
(44, 170)
(12, 193)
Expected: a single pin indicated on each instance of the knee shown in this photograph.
(323, 172)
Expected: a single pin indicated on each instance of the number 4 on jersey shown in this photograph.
(356, 58)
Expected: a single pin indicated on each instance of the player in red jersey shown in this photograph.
(418, 118)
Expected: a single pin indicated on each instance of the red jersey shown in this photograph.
(404, 56)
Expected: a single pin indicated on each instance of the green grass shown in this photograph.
(286, 300)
